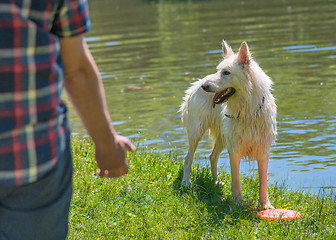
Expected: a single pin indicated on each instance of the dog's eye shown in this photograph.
(225, 73)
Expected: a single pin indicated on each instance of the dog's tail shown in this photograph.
(184, 110)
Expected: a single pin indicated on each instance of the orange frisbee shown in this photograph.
(278, 214)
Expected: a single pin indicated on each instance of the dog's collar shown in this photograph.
(229, 116)
(262, 104)
(260, 107)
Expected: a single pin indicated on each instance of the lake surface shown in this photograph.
(166, 45)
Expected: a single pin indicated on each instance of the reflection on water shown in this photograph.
(169, 44)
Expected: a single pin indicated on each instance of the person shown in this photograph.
(42, 51)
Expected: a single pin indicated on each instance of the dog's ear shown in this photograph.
(244, 55)
(227, 50)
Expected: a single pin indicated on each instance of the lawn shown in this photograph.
(149, 203)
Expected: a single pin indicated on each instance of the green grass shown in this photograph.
(149, 203)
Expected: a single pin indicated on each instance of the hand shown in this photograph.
(86, 92)
(110, 157)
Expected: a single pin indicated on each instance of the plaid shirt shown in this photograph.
(33, 124)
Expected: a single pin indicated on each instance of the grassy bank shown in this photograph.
(149, 203)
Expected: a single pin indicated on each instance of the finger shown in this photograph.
(121, 171)
(106, 173)
(127, 144)
(130, 147)
(99, 172)
(112, 173)
(124, 171)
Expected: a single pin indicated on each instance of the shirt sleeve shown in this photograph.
(71, 19)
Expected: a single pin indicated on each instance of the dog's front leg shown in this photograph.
(235, 180)
(263, 197)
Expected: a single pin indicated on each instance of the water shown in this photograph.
(166, 45)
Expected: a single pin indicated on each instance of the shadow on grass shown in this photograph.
(217, 198)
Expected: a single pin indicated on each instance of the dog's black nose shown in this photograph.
(205, 86)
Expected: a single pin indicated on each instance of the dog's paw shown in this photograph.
(220, 183)
(238, 199)
(186, 183)
(266, 205)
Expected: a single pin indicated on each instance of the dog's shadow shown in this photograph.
(217, 197)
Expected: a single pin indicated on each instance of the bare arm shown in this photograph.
(86, 92)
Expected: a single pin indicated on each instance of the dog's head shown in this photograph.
(233, 75)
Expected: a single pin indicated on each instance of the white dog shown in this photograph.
(236, 105)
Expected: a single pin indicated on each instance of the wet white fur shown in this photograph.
(249, 130)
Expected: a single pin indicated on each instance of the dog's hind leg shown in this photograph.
(216, 150)
(194, 139)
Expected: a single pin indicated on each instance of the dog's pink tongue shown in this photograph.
(215, 99)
